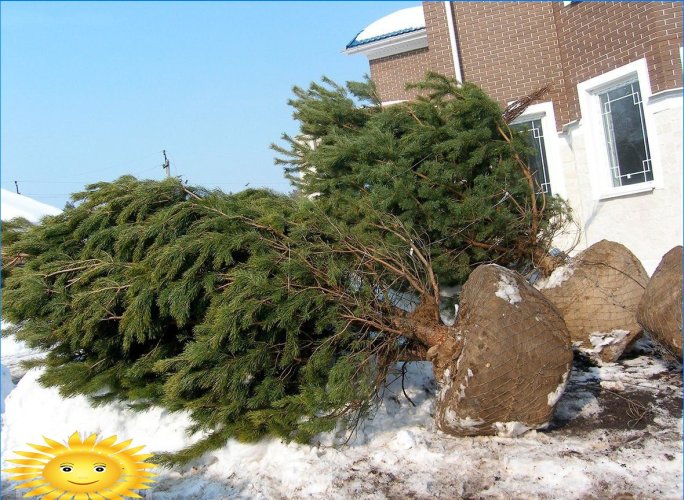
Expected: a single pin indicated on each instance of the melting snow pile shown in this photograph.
(559, 276)
(7, 386)
(508, 290)
(554, 396)
(599, 340)
(511, 429)
(15, 205)
(400, 453)
(14, 352)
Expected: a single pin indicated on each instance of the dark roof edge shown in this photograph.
(356, 43)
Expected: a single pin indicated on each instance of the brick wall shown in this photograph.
(392, 73)
(596, 37)
(441, 60)
(512, 48)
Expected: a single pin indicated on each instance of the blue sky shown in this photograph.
(93, 90)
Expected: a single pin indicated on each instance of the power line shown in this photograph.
(38, 195)
(125, 164)
(254, 184)
(50, 182)
(81, 182)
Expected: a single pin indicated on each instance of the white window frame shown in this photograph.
(596, 145)
(392, 103)
(544, 111)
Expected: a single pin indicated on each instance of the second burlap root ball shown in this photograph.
(598, 294)
(660, 309)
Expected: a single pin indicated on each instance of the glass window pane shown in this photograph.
(625, 131)
(537, 162)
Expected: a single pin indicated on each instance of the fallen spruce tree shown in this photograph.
(12, 230)
(262, 314)
(446, 164)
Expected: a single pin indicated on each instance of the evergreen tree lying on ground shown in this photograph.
(158, 294)
(12, 230)
(446, 163)
(263, 314)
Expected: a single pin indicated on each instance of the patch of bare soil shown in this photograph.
(632, 394)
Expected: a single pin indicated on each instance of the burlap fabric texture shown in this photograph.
(660, 309)
(599, 300)
(514, 360)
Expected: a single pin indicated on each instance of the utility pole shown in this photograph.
(167, 165)
(16, 185)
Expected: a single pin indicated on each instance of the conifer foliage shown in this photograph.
(446, 163)
(12, 230)
(263, 314)
(238, 308)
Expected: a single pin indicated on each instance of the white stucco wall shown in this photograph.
(649, 223)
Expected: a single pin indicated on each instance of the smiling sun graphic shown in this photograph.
(83, 469)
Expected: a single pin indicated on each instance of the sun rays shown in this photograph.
(82, 469)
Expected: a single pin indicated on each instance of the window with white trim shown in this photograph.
(538, 163)
(624, 129)
(539, 123)
(615, 110)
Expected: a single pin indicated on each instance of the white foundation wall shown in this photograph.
(648, 223)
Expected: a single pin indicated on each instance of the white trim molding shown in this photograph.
(597, 149)
(449, 12)
(665, 99)
(544, 111)
(392, 103)
(390, 46)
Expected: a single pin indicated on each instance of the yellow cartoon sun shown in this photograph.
(83, 469)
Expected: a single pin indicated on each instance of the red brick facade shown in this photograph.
(391, 74)
(513, 48)
(509, 49)
(599, 36)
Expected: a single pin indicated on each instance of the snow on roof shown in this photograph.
(16, 205)
(397, 23)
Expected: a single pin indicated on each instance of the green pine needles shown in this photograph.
(157, 294)
(263, 314)
(12, 231)
(446, 164)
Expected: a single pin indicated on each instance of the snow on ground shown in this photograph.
(15, 205)
(7, 386)
(13, 352)
(617, 432)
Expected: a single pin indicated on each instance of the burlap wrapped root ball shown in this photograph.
(660, 309)
(599, 297)
(514, 362)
